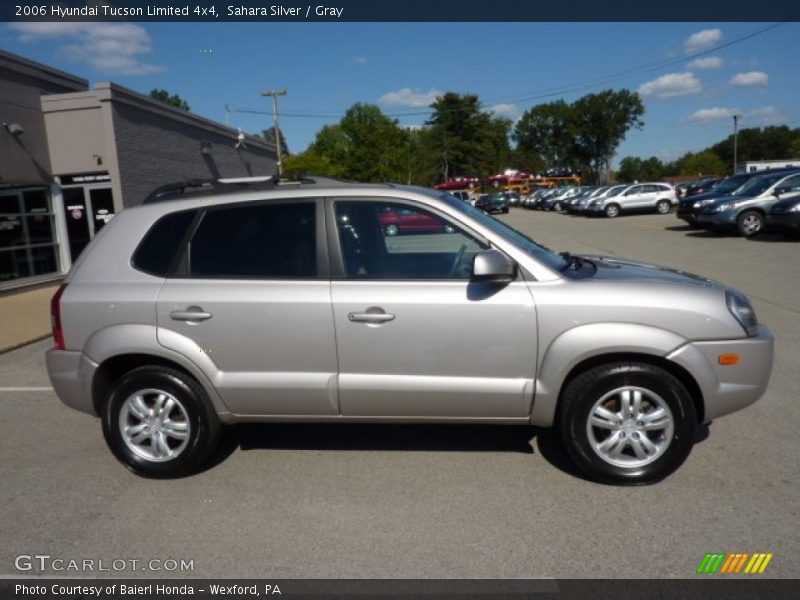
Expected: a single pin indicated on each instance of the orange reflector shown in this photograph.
(728, 359)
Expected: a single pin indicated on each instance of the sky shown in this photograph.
(693, 77)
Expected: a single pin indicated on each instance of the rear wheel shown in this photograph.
(611, 210)
(663, 206)
(750, 222)
(627, 423)
(557, 206)
(159, 422)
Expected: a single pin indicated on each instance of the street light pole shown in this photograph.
(735, 142)
(274, 94)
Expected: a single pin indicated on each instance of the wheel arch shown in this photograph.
(582, 348)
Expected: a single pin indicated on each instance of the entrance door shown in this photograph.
(78, 226)
(101, 206)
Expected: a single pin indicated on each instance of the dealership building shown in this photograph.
(71, 157)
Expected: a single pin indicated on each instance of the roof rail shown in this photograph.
(195, 187)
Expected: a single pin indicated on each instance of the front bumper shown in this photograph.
(727, 389)
(71, 374)
(723, 219)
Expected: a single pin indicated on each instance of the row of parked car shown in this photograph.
(608, 201)
(746, 203)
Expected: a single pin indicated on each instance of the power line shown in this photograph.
(558, 90)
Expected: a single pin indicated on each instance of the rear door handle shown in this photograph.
(193, 313)
(371, 315)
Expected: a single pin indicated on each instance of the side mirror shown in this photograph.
(779, 191)
(493, 266)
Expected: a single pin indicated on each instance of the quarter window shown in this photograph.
(256, 241)
(156, 253)
(384, 240)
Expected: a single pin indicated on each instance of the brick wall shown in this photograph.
(154, 149)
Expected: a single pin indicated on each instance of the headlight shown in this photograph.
(700, 203)
(741, 308)
(725, 206)
(795, 208)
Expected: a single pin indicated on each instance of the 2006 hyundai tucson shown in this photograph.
(286, 301)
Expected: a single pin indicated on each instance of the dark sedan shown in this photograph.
(492, 203)
(784, 217)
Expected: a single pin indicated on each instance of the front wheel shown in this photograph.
(158, 422)
(627, 423)
(612, 210)
(750, 223)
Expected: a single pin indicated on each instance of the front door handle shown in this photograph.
(373, 314)
(192, 313)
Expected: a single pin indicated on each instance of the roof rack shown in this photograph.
(198, 187)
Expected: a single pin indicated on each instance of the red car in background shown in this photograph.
(399, 221)
(458, 183)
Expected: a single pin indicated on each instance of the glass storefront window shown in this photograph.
(28, 240)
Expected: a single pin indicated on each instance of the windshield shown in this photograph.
(615, 190)
(758, 185)
(731, 184)
(519, 239)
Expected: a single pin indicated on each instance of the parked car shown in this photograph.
(784, 217)
(403, 221)
(559, 197)
(570, 203)
(745, 212)
(680, 189)
(659, 197)
(701, 186)
(493, 203)
(277, 302)
(513, 198)
(581, 206)
(689, 208)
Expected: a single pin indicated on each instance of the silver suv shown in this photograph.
(275, 301)
(659, 197)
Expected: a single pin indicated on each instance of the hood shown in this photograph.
(712, 195)
(610, 267)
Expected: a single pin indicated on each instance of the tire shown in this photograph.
(608, 453)
(611, 210)
(557, 206)
(663, 207)
(391, 230)
(749, 223)
(505, 210)
(190, 428)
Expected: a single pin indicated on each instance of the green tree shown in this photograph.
(630, 169)
(600, 123)
(312, 162)
(376, 145)
(794, 150)
(462, 139)
(702, 163)
(769, 143)
(165, 97)
(268, 135)
(546, 130)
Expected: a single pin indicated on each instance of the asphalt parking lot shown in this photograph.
(411, 501)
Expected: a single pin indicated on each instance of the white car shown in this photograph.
(657, 196)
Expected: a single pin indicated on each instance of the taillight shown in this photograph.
(55, 317)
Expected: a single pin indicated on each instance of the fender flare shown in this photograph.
(584, 342)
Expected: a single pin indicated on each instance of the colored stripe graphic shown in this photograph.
(733, 563)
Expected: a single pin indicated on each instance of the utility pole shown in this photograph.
(735, 142)
(274, 94)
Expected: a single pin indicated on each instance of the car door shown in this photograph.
(415, 337)
(250, 304)
(635, 197)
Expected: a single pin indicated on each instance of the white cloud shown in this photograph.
(504, 110)
(671, 84)
(708, 62)
(409, 98)
(704, 115)
(749, 79)
(702, 40)
(767, 115)
(360, 60)
(113, 48)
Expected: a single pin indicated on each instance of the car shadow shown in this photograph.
(774, 238)
(402, 438)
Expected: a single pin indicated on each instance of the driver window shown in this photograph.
(386, 240)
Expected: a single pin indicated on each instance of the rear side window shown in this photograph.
(261, 241)
(156, 253)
